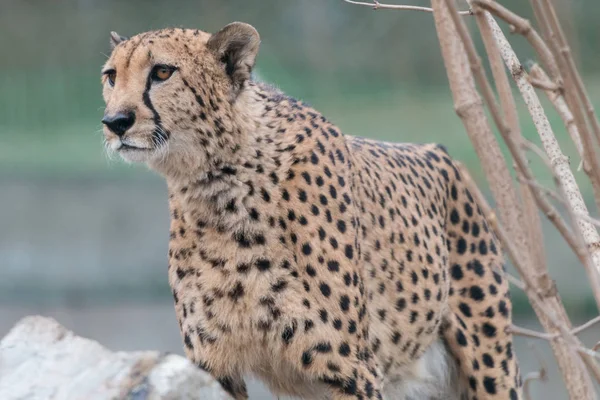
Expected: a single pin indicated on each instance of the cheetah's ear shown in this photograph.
(115, 39)
(236, 46)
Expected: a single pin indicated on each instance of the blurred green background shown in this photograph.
(84, 239)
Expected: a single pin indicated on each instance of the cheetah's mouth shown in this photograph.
(128, 147)
(131, 152)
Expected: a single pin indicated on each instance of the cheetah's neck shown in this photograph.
(223, 194)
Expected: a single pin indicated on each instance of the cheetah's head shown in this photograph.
(170, 94)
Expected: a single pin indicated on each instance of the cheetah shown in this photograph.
(327, 265)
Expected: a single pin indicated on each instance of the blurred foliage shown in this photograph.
(374, 73)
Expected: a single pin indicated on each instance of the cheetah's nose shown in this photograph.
(119, 123)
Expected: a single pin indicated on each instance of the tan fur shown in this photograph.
(327, 265)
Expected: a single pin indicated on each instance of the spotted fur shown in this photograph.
(330, 266)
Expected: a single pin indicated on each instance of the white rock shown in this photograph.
(42, 360)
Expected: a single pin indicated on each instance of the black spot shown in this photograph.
(306, 358)
(187, 341)
(414, 277)
(503, 308)
(483, 247)
(263, 264)
(351, 326)
(280, 285)
(322, 233)
(333, 265)
(497, 277)
(488, 330)
(476, 293)
(473, 382)
(254, 214)
(369, 389)
(349, 251)
(413, 316)
(344, 303)
(461, 246)
(302, 196)
(489, 384)
(333, 367)
(460, 338)
(288, 333)
(347, 279)
(325, 289)
(344, 349)
(454, 218)
(306, 249)
(323, 315)
(308, 325)
(400, 304)
(478, 268)
(337, 324)
(333, 242)
(242, 240)
(475, 229)
(237, 291)
(465, 309)
(468, 209)
(265, 195)
(488, 361)
(306, 177)
(456, 272)
(323, 347)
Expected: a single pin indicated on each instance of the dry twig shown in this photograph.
(376, 5)
(561, 106)
(579, 99)
(522, 26)
(517, 330)
(560, 164)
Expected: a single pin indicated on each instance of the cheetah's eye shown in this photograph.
(111, 76)
(162, 72)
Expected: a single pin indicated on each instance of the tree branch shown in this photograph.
(376, 5)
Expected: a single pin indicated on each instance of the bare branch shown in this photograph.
(561, 106)
(544, 84)
(577, 96)
(517, 330)
(522, 26)
(585, 326)
(560, 163)
(376, 5)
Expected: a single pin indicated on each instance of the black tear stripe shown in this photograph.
(160, 134)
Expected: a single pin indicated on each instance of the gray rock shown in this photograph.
(40, 359)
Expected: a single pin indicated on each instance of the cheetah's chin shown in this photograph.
(132, 154)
